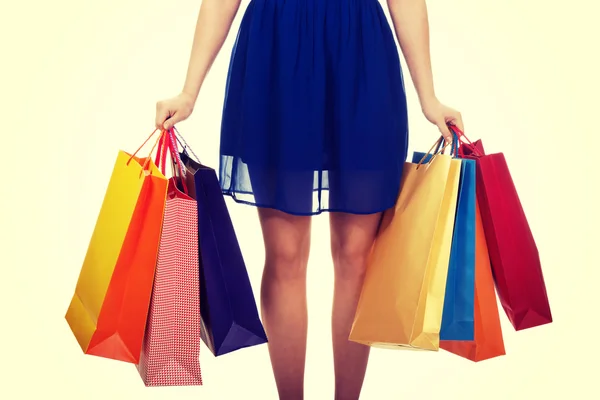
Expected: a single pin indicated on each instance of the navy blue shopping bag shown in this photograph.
(458, 322)
(230, 319)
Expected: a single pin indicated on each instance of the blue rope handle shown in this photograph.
(185, 146)
(454, 148)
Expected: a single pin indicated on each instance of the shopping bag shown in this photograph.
(401, 301)
(171, 348)
(488, 342)
(514, 256)
(459, 301)
(108, 311)
(230, 319)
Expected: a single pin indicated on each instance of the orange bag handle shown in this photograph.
(147, 162)
(436, 149)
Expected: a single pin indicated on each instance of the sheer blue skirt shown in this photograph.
(315, 114)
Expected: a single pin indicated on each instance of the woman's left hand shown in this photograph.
(442, 116)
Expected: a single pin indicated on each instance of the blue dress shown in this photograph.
(315, 116)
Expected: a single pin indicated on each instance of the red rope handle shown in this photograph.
(166, 146)
(461, 135)
(175, 157)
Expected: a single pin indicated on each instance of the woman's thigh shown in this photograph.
(286, 239)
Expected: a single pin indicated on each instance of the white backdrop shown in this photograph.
(79, 82)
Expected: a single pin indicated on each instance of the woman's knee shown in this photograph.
(287, 260)
(350, 259)
(352, 238)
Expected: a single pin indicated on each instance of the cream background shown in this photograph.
(79, 81)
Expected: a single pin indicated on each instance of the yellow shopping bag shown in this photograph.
(403, 294)
(108, 311)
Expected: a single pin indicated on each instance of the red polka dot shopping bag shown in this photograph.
(171, 349)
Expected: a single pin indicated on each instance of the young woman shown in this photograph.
(314, 120)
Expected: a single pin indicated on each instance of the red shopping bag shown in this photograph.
(513, 252)
(171, 349)
(488, 341)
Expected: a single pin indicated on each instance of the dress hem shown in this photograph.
(232, 194)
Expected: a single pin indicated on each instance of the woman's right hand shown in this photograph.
(174, 110)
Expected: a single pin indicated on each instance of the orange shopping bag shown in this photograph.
(488, 341)
(108, 311)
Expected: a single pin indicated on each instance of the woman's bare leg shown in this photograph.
(283, 297)
(352, 237)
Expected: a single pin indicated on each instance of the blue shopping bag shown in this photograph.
(458, 321)
(229, 314)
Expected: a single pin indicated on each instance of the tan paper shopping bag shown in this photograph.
(403, 294)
